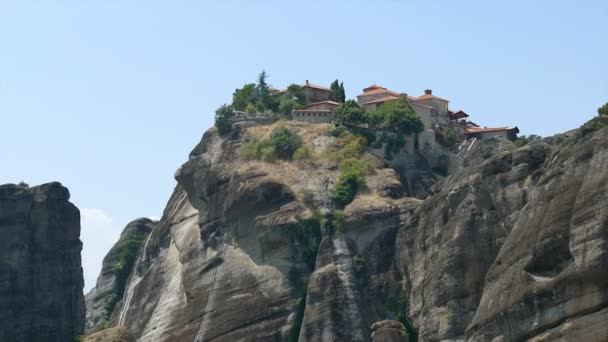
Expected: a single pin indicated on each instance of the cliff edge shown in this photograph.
(41, 278)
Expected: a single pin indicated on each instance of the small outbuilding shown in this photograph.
(495, 132)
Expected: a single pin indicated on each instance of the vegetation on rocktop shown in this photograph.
(337, 92)
(353, 165)
(525, 140)
(125, 253)
(598, 122)
(283, 144)
(351, 112)
(308, 233)
(299, 308)
(396, 116)
(223, 116)
(398, 306)
(351, 178)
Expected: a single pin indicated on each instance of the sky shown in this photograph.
(109, 96)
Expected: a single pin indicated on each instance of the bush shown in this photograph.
(337, 221)
(396, 116)
(351, 177)
(524, 140)
(251, 109)
(308, 198)
(268, 154)
(597, 123)
(126, 253)
(223, 119)
(249, 150)
(304, 152)
(351, 112)
(358, 263)
(350, 146)
(285, 142)
(339, 131)
(308, 233)
(603, 110)
(299, 308)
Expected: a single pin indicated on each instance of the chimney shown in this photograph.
(306, 82)
(428, 92)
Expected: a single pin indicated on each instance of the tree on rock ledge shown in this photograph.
(337, 92)
(223, 116)
(351, 112)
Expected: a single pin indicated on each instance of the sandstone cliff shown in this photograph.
(116, 267)
(511, 246)
(40, 269)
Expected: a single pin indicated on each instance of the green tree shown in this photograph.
(292, 98)
(285, 142)
(398, 115)
(242, 97)
(352, 176)
(337, 92)
(263, 92)
(603, 110)
(223, 119)
(251, 109)
(351, 112)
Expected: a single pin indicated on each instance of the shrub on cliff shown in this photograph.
(603, 110)
(243, 97)
(352, 176)
(598, 122)
(126, 252)
(351, 112)
(223, 119)
(285, 142)
(302, 153)
(396, 116)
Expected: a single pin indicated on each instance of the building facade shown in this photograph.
(318, 112)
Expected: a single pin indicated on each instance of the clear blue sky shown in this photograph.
(109, 96)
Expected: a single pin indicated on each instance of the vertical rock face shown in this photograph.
(101, 300)
(513, 246)
(41, 278)
(227, 261)
(550, 278)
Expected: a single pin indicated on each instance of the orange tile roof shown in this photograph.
(322, 102)
(312, 110)
(382, 99)
(373, 86)
(427, 97)
(458, 113)
(310, 85)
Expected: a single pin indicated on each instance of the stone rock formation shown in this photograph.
(512, 245)
(388, 331)
(109, 289)
(111, 335)
(41, 277)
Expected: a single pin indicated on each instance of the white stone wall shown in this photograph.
(425, 113)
